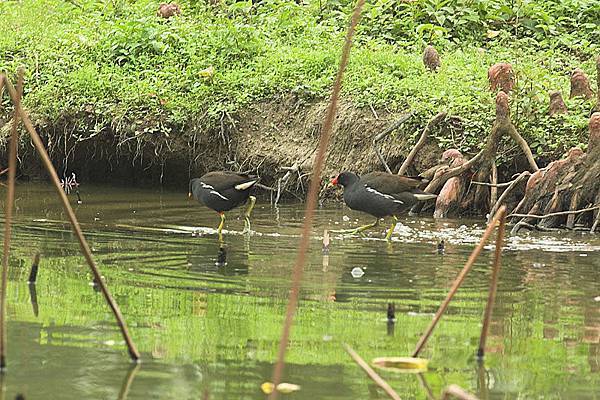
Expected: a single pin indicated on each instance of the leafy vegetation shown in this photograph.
(113, 67)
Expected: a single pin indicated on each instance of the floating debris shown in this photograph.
(401, 364)
(283, 387)
(357, 272)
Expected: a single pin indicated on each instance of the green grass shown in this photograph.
(115, 68)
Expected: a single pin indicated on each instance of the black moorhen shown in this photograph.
(380, 194)
(223, 190)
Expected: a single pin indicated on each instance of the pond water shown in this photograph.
(208, 328)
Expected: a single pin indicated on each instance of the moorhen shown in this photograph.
(380, 194)
(223, 190)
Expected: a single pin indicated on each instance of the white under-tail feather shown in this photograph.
(245, 185)
(423, 197)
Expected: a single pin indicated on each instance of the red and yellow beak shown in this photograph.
(334, 181)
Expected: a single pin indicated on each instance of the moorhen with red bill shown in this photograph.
(381, 194)
(223, 190)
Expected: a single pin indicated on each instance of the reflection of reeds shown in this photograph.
(500, 215)
(487, 316)
(311, 199)
(372, 374)
(8, 210)
(85, 249)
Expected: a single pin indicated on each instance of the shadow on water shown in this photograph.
(207, 314)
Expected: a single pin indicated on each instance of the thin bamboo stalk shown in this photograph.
(372, 374)
(8, 213)
(85, 249)
(311, 201)
(487, 316)
(458, 281)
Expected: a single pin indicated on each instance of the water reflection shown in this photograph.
(206, 313)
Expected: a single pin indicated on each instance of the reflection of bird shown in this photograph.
(223, 190)
(380, 194)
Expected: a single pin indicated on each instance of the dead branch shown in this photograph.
(555, 214)
(494, 189)
(439, 117)
(451, 172)
(385, 133)
(524, 146)
(512, 184)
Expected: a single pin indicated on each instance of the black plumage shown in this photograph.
(381, 194)
(224, 190)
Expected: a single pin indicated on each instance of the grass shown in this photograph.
(114, 68)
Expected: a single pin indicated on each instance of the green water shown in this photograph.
(203, 327)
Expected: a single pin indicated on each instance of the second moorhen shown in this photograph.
(381, 194)
(223, 190)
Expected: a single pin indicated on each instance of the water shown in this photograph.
(203, 327)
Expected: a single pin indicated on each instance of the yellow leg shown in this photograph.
(357, 230)
(388, 236)
(220, 228)
(251, 203)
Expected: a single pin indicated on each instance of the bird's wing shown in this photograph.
(223, 180)
(389, 183)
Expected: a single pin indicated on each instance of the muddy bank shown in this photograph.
(264, 139)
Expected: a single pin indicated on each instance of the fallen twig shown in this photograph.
(439, 117)
(372, 374)
(386, 132)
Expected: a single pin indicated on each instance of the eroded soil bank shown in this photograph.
(264, 139)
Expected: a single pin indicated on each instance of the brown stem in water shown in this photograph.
(458, 392)
(8, 213)
(439, 117)
(458, 281)
(487, 316)
(85, 248)
(372, 374)
(311, 201)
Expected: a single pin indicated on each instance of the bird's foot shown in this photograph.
(247, 229)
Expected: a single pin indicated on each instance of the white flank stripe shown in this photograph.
(218, 194)
(244, 186)
(206, 186)
(387, 196)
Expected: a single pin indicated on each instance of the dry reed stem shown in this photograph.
(85, 249)
(8, 213)
(458, 392)
(311, 200)
(459, 280)
(487, 316)
(372, 374)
